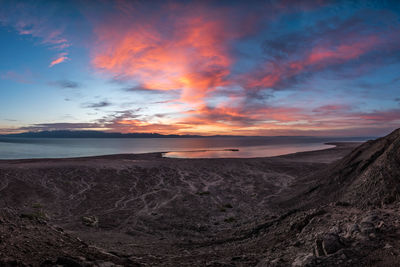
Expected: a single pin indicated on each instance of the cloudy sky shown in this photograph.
(201, 67)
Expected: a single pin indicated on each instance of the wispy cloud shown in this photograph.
(65, 84)
(191, 55)
(101, 104)
(37, 19)
(230, 67)
(62, 57)
(61, 126)
(194, 54)
(25, 77)
(279, 121)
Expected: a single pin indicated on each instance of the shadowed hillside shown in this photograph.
(334, 207)
(368, 176)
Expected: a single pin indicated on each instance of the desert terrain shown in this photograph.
(332, 207)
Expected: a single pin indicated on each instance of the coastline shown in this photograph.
(163, 153)
(148, 206)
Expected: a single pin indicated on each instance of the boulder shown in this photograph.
(90, 221)
(331, 243)
(303, 260)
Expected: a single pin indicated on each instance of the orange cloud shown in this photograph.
(61, 58)
(190, 54)
(189, 47)
(139, 126)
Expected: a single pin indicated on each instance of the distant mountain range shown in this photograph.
(100, 134)
(92, 134)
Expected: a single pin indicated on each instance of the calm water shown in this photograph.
(20, 148)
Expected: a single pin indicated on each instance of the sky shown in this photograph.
(318, 68)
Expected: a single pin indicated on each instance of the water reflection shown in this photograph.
(247, 152)
(19, 148)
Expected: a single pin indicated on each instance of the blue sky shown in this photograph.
(201, 67)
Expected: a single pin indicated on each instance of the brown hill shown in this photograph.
(368, 176)
(344, 215)
(205, 212)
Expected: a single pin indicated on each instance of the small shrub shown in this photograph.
(37, 215)
(90, 220)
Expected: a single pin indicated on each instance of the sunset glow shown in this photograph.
(201, 67)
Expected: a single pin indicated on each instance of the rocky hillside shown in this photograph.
(371, 174)
(368, 176)
(345, 215)
(27, 239)
(335, 207)
(148, 209)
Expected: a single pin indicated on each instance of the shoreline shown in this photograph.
(161, 154)
(150, 207)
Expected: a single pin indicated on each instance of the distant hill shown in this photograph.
(100, 134)
(91, 134)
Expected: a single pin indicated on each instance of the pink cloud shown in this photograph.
(27, 19)
(190, 49)
(391, 115)
(193, 55)
(320, 56)
(61, 58)
(25, 77)
(343, 52)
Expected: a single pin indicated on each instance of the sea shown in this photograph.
(199, 147)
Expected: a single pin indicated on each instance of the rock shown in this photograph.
(271, 263)
(66, 261)
(387, 246)
(318, 250)
(297, 243)
(371, 218)
(327, 244)
(276, 262)
(107, 264)
(303, 260)
(61, 261)
(331, 243)
(367, 227)
(372, 235)
(10, 262)
(90, 221)
(342, 204)
(352, 229)
(45, 263)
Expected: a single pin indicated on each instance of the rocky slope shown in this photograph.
(28, 239)
(337, 207)
(368, 176)
(347, 214)
(149, 209)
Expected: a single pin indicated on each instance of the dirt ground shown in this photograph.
(146, 210)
